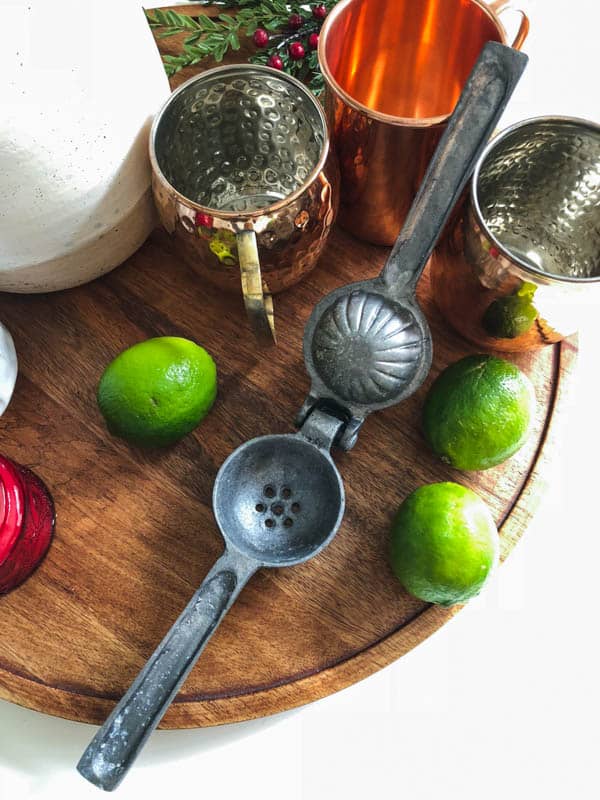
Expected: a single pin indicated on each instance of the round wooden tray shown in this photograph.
(135, 531)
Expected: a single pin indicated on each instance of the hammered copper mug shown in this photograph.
(523, 270)
(241, 166)
(394, 70)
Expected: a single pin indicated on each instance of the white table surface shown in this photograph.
(502, 702)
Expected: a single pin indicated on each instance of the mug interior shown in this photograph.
(236, 140)
(406, 58)
(537, 191)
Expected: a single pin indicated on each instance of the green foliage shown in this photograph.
(214, 37)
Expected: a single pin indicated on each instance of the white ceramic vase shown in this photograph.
(8, 368)
(80, 84)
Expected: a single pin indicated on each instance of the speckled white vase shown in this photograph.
(78, 93)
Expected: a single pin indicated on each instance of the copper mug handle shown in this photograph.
(498, 6)
(258, 302)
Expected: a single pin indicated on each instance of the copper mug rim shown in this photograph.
(236, 215)
(380, 116)
(476, 208)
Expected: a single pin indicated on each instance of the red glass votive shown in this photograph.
(26, 523)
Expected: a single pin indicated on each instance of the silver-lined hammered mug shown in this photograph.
(528, 267)
(241, 165)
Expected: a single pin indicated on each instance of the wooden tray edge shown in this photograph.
(205, 713)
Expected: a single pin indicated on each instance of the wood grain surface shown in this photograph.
(135, 532)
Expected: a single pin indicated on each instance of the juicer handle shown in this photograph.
(116, 745)
(479, 108)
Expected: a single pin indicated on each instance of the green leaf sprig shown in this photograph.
(214, 37)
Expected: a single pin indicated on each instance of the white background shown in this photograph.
(503, 702)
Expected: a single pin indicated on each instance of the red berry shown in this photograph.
(276, 62)
(203, 220)
(261, 37)
(296, 51)
(313, 41)
(295, 22)
(319, 12)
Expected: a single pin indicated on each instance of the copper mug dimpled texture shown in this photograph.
(531, 267)
(242, 166)
(394, 70)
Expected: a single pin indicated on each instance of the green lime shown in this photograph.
(478, 412)
(509, 317)
(157, 391)
(444, 543)
(527, 290)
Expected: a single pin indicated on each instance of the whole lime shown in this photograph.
(509, 317)
(478, 412)
(157, 391)
(444, 543)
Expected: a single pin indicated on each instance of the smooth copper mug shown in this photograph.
(244, 181)
(394, 70)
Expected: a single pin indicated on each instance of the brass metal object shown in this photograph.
(390, 89)
(525, 271)
(242, 166)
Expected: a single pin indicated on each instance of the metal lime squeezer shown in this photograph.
(279, 500)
